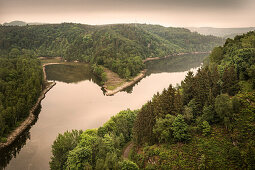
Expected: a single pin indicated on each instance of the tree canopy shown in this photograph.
(21, 80)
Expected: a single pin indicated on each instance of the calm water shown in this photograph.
(78, 102)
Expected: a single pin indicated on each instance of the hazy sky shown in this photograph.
(181, 13)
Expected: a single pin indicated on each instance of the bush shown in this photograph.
(99, 72)
(195, 106)
(223, 106)
(128, 165)
(206, 128)
(162, 128)
(208, 114)
(180, 129)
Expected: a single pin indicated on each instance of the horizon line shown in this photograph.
(49, 23)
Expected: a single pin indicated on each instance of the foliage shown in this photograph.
(20, 86)
(209, 114)
(167, 103)
(212, 97)
(220, 97)
(99, 72)
(128, 165)
(95, 148)
(216, 55)
(79, 158)
(223, 108)
(188, 114)
(206, 128)
(119, 47)
(61, 147)
(163, 128)
(180, 129)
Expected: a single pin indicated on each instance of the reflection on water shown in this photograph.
(172, 64)
(11, 151)
(70, 73)
(175, 63)
(82, 105)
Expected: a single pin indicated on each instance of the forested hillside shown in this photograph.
(120, 47)
(206, 123)
(20, 86)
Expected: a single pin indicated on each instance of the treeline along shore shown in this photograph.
(30, 119)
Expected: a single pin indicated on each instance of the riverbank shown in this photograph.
(115, 84)
(44, 72)
(178, 54)
(29, 120)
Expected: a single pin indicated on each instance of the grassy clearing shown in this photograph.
(113, 80)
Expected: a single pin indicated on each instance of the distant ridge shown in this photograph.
(15, 23)
(221, 32)
(21, 23)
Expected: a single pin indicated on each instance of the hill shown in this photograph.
(221, 32)
(119, 47)
(206, 123)
(21, 23)
(15, 23)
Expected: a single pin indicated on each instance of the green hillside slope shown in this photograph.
(120, 47)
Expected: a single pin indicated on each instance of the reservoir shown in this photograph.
(77, 101)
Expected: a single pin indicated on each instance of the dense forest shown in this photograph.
(119, 47)
(21, 81)
(208, 122)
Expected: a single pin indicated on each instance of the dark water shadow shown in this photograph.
(9, 152)
(70, 73)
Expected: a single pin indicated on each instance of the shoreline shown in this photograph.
(126, 84)
(44, 72)
(167, 56)
(29, 120)
(142, 73)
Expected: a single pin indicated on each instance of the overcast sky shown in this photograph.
(178, 13)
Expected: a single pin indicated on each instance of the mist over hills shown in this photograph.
(221, 32)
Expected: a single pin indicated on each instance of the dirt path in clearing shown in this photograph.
(127, 150)
(113, 79)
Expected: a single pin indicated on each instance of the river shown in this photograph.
(78, 102)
